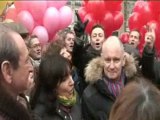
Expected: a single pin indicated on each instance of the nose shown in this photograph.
(112, 65)
(71, 82)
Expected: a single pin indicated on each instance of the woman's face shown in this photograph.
(66, 88)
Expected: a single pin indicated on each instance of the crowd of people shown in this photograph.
(77, 77)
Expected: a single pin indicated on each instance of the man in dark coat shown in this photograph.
(106, 75)
(84, 51)
(15, 71)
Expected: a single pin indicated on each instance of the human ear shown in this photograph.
(6, 70)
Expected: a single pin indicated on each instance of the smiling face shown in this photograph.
(113, 59)
(97, 38)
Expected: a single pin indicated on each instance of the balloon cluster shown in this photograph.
(105, 12)
(42, 18)
(146, 16)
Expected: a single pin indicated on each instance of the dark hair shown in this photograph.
(97, 26)
(55, 47)
(8, 48)
(136, 30)
(53, 70)
(139, 100)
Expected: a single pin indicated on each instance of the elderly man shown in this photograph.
(107, 76)
(35, 50)
(15, 74)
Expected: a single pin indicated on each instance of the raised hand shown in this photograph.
(80, 27)
(150, 38)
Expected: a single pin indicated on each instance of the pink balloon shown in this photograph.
(26, 19)
(41, 33)
(37, 9)
(21, 5)
(65, 17)
(51, 20)
(11, 14)
(57, 3)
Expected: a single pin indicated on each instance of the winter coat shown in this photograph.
(11, 109)
(81, 56)
(150, 66)
(48, 110)
(97, 99)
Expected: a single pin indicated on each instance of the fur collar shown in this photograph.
(11, 108)
(94, 69)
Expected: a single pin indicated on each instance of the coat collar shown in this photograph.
(94, 70)
(11, 108)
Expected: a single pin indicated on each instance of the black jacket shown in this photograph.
(97, 100)
(11, 109)
(82, 54)
(150, 66)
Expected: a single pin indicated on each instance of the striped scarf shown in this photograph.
(115, 87)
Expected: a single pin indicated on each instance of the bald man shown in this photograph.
(106, 75)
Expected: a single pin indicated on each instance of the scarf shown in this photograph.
(69, 102)
(116, 86)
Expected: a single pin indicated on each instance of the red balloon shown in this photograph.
(144, 10)
(113, 5)
(82, 12)
(124, 37)
(135, 21)
(97, 8)
(154, 5)
(11, 14)
(118, 20)
(108, 22)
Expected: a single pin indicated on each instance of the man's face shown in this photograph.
(23, 75)
(69, 42)
(35, 49)
(113, 62)
(97, 38)
(134, 39)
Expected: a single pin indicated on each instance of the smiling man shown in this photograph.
(106, 75)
